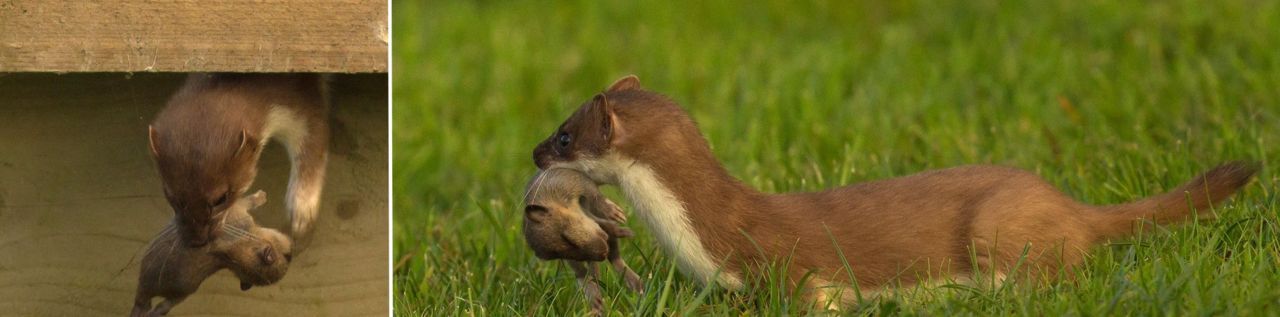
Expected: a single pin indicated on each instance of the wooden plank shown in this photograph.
(80, 198)
(342, 36)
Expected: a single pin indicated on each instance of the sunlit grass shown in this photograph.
(1110, 100)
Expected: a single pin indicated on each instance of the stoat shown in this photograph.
(207, 140)
(963, 223)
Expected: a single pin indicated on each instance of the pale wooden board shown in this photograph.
(340, 36)
(80, 197)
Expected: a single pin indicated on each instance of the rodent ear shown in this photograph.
(535, 213)
(625, 83)
(151, 137)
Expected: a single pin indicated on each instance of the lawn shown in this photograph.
(1110, 100)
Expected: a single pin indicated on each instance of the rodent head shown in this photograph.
(589, 132)
(203, 177)
(558, 232)
(261, 259)
(555, 224)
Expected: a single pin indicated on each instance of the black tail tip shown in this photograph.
(1233, 174)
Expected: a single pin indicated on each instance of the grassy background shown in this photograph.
(1110, 100)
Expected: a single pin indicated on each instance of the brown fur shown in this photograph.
(258, 256)
(207, 141)
(906, 230)
(566, 217)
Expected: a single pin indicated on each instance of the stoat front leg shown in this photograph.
(306, 138)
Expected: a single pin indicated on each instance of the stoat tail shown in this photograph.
(1118, 221)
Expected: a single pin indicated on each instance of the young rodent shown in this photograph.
(257, 255)
(566, 217)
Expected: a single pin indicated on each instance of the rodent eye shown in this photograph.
(221, 199)
(268, 255)
(564, 139)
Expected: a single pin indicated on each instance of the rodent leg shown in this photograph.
(629, 276)
(600, 207)
(587, 279)
(141, 306)
(164, 306)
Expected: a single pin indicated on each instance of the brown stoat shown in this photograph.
(171, 270)
(207, 140)
(961, 223)
(566, 217)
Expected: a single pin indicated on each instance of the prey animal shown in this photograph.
(566, 217)
(170, 269)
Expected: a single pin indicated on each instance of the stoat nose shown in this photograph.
(540, 162)
(540, 156)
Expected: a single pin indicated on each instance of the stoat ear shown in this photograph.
(248, 144)
(602, 111)
(151, 136)
(626, 83)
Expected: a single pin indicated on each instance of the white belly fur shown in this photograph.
(662, 212)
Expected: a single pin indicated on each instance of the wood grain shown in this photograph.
(341, 36)
(80, 198)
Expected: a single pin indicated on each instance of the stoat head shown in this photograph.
(622, 126)
(589, 135)
(203, 173)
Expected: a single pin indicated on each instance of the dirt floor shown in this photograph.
(80, 198)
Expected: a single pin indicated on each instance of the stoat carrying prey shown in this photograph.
(207, 141)
(963, 224)
(170, 269)
(566, 217)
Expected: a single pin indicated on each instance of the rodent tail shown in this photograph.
(1176, 206)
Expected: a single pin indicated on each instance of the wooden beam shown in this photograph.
(343, 36)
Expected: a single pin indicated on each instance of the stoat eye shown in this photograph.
(564, 139)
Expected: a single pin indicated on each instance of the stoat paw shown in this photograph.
(303, 222)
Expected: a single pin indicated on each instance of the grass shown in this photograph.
(1110, 100)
